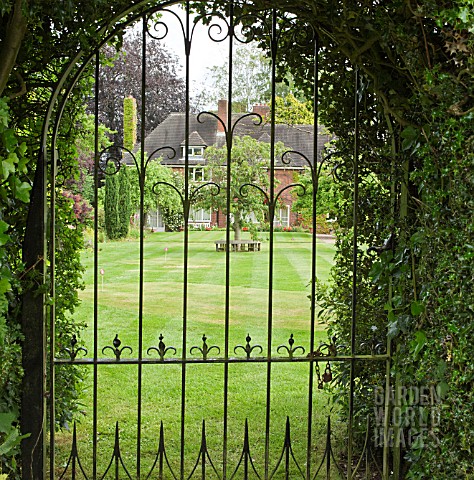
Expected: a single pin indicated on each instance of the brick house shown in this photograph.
(207, 132)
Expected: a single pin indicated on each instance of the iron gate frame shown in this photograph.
(38, 312)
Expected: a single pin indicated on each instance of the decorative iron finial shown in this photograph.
(248, 349)
(116, 348)
(291, 350)
(205, 349)
(73, 351)
(162, 349)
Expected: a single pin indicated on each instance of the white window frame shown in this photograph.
(197, 178)
(200, 217)
(282, 217)
(155, 220)
(194, 151)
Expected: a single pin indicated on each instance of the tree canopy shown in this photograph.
(250, 75)
(122, 77)
(249, 178)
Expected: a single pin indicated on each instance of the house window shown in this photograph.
(197, 174)
(200, 217)
(155, 221)
(193, 152)
(282, 217)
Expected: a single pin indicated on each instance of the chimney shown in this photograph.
(262, 109)
(222, 114)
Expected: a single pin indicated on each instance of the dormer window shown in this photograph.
(196, 146)
(193, 152)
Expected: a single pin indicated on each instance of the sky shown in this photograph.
(205, 53)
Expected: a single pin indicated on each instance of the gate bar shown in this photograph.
(354, 273)
(187, 48)
(315, 181)
(96, 265)
(228, 134)
(271, 205)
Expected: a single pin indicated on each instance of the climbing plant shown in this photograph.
(14, 195)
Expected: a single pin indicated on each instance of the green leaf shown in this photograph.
(6, 420)
(416, 238)
(4, 287)
(393, 330)
(22, 149)
(13, 439)
(417, 308)
(9, 140)
(419, 342)
(4, 238)
(376, 271)
(442, 389)
(410, 138)
(464, 14)
(22, 191)
(8, 166)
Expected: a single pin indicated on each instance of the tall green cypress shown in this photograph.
(129, 122)
(111, 202)
(117, 203)
(123, 203)
(129, 140)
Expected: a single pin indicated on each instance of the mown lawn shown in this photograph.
(163, 312)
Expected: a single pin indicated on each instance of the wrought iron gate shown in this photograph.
(194, 358)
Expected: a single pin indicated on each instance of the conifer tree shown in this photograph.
(111, 203)
(123, 202)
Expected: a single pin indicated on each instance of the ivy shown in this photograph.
(14, 191)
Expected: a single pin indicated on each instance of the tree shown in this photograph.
(291, 111)
(117, 206)
(250, 164)
(251, 79)
(129, 123)
(122, 77)
(124, 206)
(327, 196)
(80, 187)
(156, 194)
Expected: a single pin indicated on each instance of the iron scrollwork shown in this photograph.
(73, 351)
(326, 349)
(291, 350)
(374, 344)
(205, 349)
(248, 349)
(388, 244)
(116, 348)
(162, 349)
